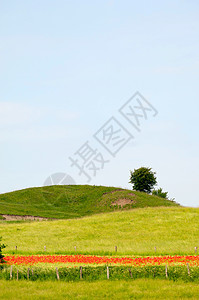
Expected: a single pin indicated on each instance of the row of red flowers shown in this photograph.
(87, 259)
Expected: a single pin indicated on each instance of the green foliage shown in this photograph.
(143, 179)
(72, 201)
(160, 193)
(2, 246)
(93, 273)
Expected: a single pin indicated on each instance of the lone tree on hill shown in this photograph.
(143, 179)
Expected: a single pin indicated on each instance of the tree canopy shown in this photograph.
(143, 179)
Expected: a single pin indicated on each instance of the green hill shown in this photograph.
(74, 201)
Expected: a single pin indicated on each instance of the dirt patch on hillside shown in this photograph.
(119, 198)
(123, 202)
(22, 218)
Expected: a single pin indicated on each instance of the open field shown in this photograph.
(74, 201)
(172, 230)
(94, 220)
(136, 289)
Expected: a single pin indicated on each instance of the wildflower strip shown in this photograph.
(87, 259)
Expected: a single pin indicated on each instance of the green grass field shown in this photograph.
(64, 202)
(92, 219)
(135, 289)
(173, 230)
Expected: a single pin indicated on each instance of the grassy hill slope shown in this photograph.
(172, 230)
(73, 201)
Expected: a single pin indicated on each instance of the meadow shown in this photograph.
(120, 289)
(93, 221)
(172, 230)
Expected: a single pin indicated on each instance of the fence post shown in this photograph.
(80, 272)
(166, 271)
(75, 248)
(57, 272)
(44, 248)
(196, 250)
(107, 272)
(15, 248)
(130, 273)
(10, 272)
(17, 274)
(115, 248)
(188, 269)
(28, 271)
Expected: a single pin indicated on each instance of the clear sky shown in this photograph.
(66, 68)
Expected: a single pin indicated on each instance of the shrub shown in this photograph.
(160, 193)
(2, 246)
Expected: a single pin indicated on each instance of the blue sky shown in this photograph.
(66, 67)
